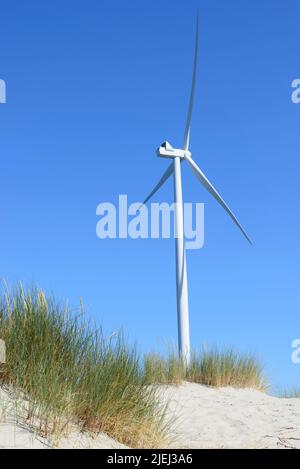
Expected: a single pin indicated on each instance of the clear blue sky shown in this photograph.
(92, 89)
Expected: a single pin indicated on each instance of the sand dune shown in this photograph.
(16, 433)
(231, 418)
(202, 418)
(13, 436)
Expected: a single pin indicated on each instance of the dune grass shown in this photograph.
(213, 367)
(71, 373)
(163, 370)
(290, 394)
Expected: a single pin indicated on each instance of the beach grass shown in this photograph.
(72, 374)
(160, 369)
(217, 367)
(222, 367)
(290, 394)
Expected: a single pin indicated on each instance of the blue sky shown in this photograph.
(92, 89)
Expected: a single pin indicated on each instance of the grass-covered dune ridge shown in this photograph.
(218, 367)
(71, 373)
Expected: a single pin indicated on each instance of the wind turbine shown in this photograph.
(178, 156)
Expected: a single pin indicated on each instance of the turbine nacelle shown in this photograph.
(167, 151)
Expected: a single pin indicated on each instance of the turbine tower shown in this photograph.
(178, 156)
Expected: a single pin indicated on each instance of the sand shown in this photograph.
(17, 433)
(202, 417)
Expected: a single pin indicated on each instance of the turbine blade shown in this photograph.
(192, 95)
(208, 186)
(163, 179)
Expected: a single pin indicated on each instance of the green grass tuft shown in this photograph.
(163, 370)
(214, 367)
(71, 373)
(221, 367)
(291, 394)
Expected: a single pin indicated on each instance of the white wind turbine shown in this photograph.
(178, 156)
